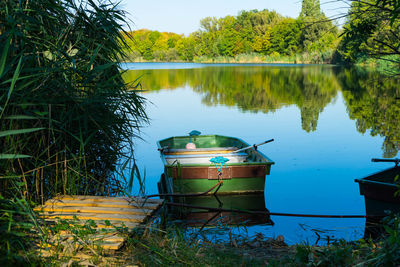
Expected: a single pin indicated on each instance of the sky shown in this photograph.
(183, 16)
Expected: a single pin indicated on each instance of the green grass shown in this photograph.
(173, 247)
(19, 233)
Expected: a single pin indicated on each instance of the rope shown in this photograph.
(187, 195)
(251, 212)
(271, 213)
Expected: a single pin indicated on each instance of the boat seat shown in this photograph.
(205, 158)
(215, 150)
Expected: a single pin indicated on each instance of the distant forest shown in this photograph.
(262, 36)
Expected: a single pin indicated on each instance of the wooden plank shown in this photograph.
(94, 216)
(108, 199)
(49, 253)
(149, 200)
(103, 245)
(111, 246)
(118, 211)
(188, 152)
(111, 232)
(136, 202)
(200, 150)
(102, 210)
(111, 261)
(112, 237)
(100, 224)
(105, 205)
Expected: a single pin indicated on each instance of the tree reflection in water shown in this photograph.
(369, 96)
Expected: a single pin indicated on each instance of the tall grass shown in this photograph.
(18, 231)
(67, 119)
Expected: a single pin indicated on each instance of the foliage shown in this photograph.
(372, 30)
(66, 116)
(263, 32)
(285, 37)
(154, 45)
(16, 231)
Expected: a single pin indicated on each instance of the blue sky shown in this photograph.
(183, 16)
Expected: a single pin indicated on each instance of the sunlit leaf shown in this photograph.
(21, 131)
(13, 156)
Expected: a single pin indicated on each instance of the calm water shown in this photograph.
(327, 122)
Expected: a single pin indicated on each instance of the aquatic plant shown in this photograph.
(67, 118)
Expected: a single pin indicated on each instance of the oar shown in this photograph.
(253, 146)
(163, 148)
(395, 161)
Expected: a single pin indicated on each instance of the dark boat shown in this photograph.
(381, 195)
(381, 190)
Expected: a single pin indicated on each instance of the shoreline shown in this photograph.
(234, 62)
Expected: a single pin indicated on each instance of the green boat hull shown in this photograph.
(233, 186)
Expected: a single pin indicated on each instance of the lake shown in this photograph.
(327, 122)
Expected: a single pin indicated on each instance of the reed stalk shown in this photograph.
(67, 118)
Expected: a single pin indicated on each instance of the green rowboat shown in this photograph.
(187, 166)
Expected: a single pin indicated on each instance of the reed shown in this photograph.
(67, 118)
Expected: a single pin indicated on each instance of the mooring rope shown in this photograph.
(188, 195)
(183, 205)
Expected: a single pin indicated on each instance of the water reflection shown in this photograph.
(370, 98)
(371, 101)
(225, 210)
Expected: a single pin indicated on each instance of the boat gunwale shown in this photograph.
(362, 181)
(369, 179)
(269, 161)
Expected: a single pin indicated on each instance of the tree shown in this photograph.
(310, 8)
(286, 37)
(372, 30)
(315, 27)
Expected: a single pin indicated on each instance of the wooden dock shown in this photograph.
(108, 213)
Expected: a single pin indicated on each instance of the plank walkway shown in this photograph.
(117, 211)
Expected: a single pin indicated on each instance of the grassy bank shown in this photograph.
(173, 246)
(305, 58)
(388, 65)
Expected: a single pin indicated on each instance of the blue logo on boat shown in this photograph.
(219, 162)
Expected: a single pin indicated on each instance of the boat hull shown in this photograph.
(379, 191)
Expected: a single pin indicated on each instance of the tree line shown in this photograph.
(263, 34)
(370, 34)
